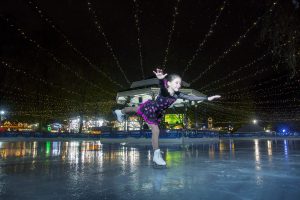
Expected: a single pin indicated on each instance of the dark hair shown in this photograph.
(171, 77)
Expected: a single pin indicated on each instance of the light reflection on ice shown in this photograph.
(257, 155)
(105, 170)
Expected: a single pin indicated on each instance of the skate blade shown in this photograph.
(156, 166)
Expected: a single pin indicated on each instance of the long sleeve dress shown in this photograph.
(152, 110)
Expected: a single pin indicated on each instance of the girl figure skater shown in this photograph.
(152, 110)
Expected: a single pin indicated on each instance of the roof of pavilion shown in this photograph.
(140, 91)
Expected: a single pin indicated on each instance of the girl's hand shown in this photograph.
(159, 73)
(213, 97)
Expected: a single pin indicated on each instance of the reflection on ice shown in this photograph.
(91, 151)
(232, 169)
(286, 151)
(257, 154)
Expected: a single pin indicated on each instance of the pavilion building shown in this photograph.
(143, 90)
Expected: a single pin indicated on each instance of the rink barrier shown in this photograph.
(164, 134)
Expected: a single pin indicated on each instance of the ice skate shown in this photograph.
(158, 161)
(119, 115)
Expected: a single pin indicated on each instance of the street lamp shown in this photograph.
(254, 121)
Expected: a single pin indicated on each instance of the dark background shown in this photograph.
(62, 58)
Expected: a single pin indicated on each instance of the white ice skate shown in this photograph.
(119, 115)
(158, 161)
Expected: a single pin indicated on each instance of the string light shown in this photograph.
(137, 25)
(171, 33)
(243, 67)
(254, 110)
(47, 98)
(263, 93)
(69, 43)
(248, 88)
(251, 111)
(237, 111)
(283, 108)
(48, 105)
(234, 45)
(230, 111)
(51, 55)
(55, 112)
(36, 78)
(257, 85)
(261, 102)
(259, 109)
(235, 71)
(21, 96)
(36, 104)
(51, 107)
(219, 106)
(280, 87)
(210, 31)
(238, 80)
(100, 29)
(225, 110)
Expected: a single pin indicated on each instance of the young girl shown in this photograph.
(152, 111)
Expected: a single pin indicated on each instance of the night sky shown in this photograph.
(64, 57)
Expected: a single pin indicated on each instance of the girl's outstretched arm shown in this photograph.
(191, 97)
(197, 98)
(159, 73)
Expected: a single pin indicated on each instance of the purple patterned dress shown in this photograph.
(152, 111)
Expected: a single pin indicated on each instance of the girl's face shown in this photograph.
(175, 84)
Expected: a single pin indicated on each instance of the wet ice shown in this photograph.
(233, 169)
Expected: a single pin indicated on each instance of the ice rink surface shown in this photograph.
(225, 169)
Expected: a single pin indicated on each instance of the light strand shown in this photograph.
(51, 55)
(257, 85)
(261, 102)
(69, 43)
(137, 25)
(238, 80)
(22, 95)
(39, 105)
(36, 78)
(245, 66)
(234, 45)
(49, 105)
(209, 33)
(45, 107)
(108, 45)
(65, 110)
(235, 71)
(266, 92)
(251, 112)
(34, 94)
(48, 98)
(171, 34)
(240, 90)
